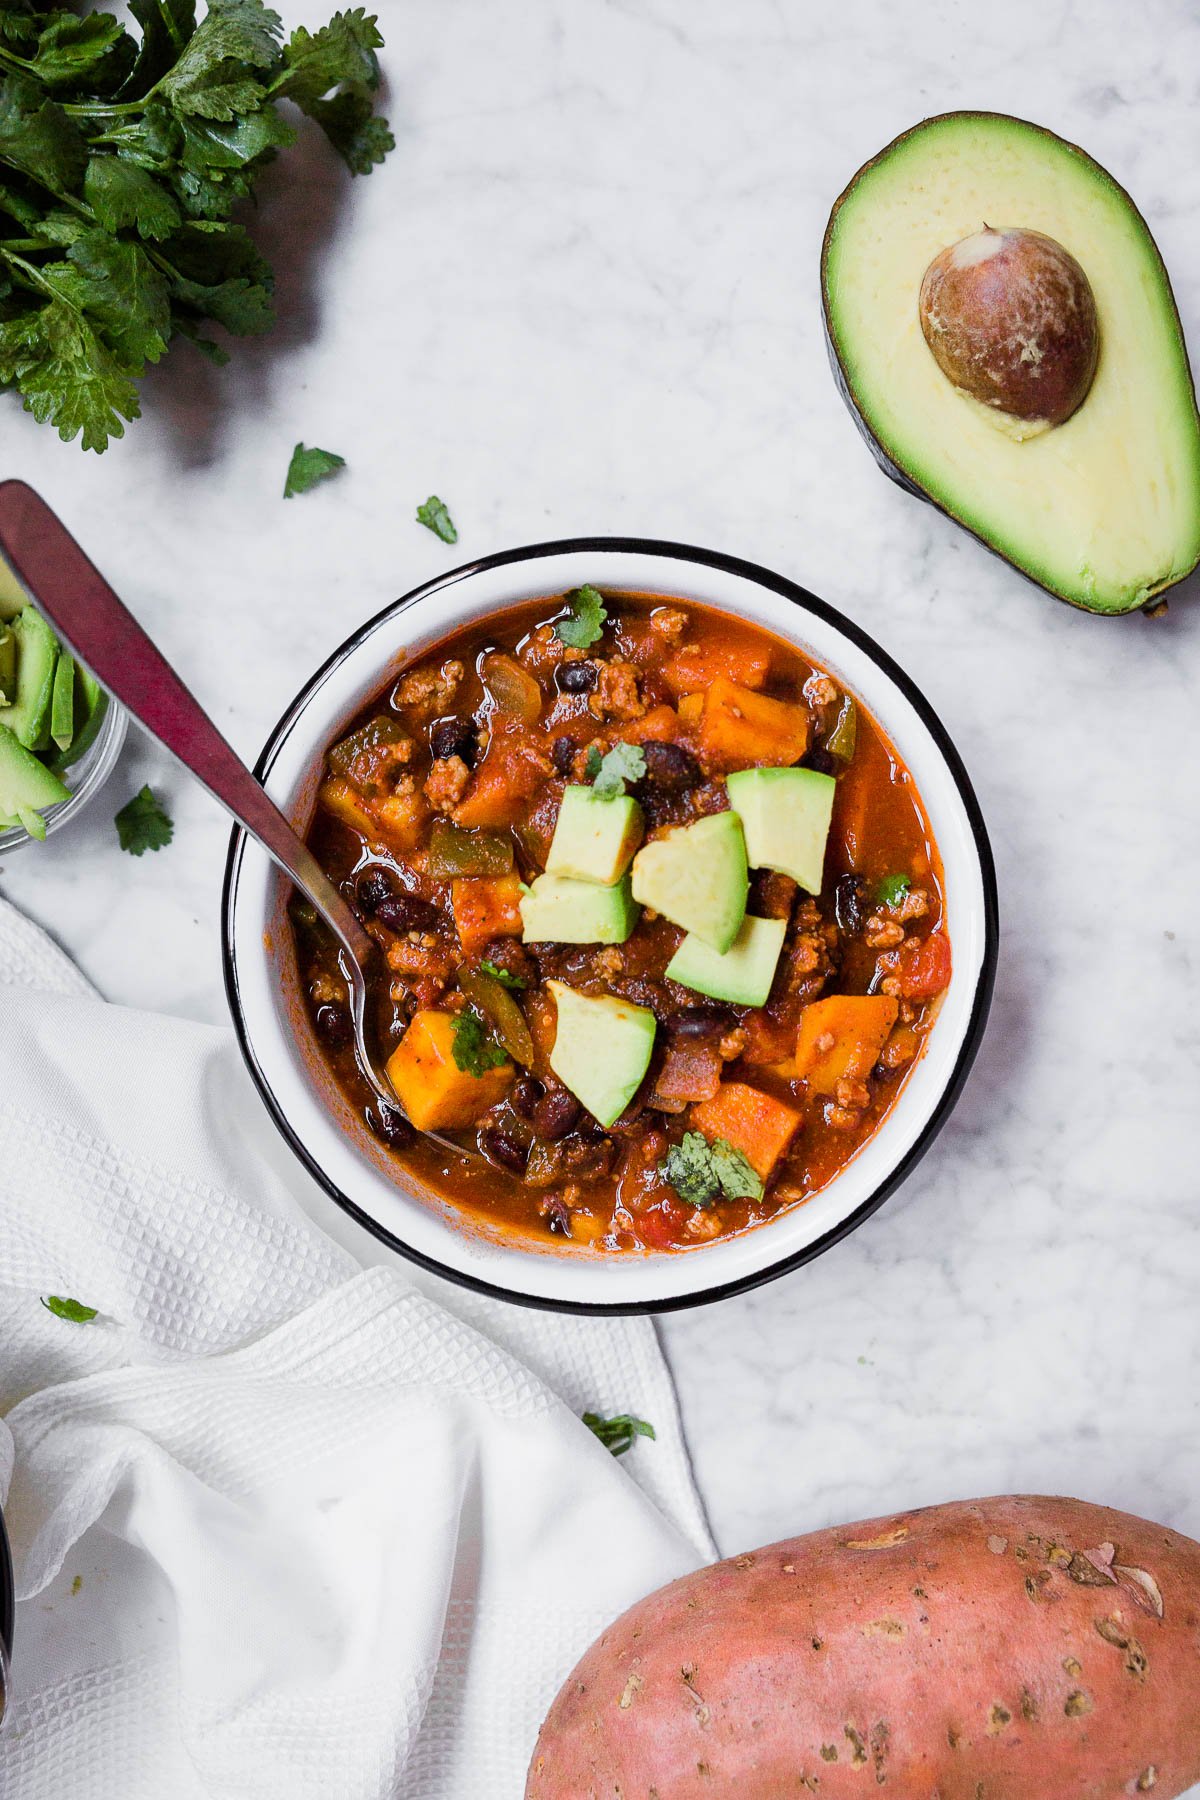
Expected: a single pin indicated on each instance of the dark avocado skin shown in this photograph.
(892, 469)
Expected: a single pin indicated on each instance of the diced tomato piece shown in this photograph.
(925, 966)
(663, 1226)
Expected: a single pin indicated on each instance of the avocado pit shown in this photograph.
(1010, 318)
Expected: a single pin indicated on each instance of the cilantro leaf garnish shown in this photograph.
(701, 1172)
(138, 140)
(72, 1310)
(617, 1434)
(308, 466)
(434, 514)
(474, 1050)
(515, 983)
(585, 622)
(892, 889)
(609, 774)
(142, 824)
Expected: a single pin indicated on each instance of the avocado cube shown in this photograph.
(26, 786)
(37, 656)
(556, 910)
(696, 876)
(62, 702)
(8, 665)
(602, 1049)
(594, 839)
(785, 815)
(743, 975)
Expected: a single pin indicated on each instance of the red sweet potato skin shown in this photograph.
(1010, 1649)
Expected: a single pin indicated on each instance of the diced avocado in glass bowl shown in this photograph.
(59, 732)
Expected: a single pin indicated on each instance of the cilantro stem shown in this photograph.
(164, 13)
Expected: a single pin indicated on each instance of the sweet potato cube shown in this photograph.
(486, 907)
(402, 818)
(509, 775)
(435, 1093)
(346, 804)
(755, 1123)
(840, 1038)
(740, 729)
(690, 708)
(695, 667)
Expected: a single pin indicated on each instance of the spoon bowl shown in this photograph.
(83, 609)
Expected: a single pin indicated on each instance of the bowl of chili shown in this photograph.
(687, 916)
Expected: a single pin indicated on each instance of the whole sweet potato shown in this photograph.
(1010, 1649)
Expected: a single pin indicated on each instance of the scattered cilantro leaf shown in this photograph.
(308, 467)
(892, 889)
(733, 1170)
(514, 983)
(142, 824)
(71, 1310)
(618, 1433)
(474, 1050)
(624, 763)
(129, 150)
(584, 624)
(701, 1172)
(433, 514)
(77, 1584)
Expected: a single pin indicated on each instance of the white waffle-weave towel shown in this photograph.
(285, 1527)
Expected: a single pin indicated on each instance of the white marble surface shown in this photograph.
(582, 297)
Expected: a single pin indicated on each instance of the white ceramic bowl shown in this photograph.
(321, 1127)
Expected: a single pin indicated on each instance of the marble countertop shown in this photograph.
(582, 297)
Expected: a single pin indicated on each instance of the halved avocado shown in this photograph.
(1102, 510)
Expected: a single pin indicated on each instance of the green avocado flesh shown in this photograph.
(696, 876)
(743, 975)
(1102, 510)
(28, 718)
(26, 785)
(594, 839)
(555, 910)
(785, 815)
(602, 1049)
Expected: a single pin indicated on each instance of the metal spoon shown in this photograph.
(103, 633)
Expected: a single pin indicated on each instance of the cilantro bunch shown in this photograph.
(122, 159)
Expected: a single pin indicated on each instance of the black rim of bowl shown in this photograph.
(7, 1599)
(808, 602)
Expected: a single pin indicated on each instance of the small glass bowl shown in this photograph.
(84, 778)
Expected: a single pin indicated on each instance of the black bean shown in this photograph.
(407, 912)
(671, 767)
(501, 1148)
(524, 1096)
(820, 760)
(374, 885)
(699, 1022)
(562, 754)
(577, 677)
(851, 903)
(555, 1114)
(454, 737)
(390, 1124)
(333, 1025)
